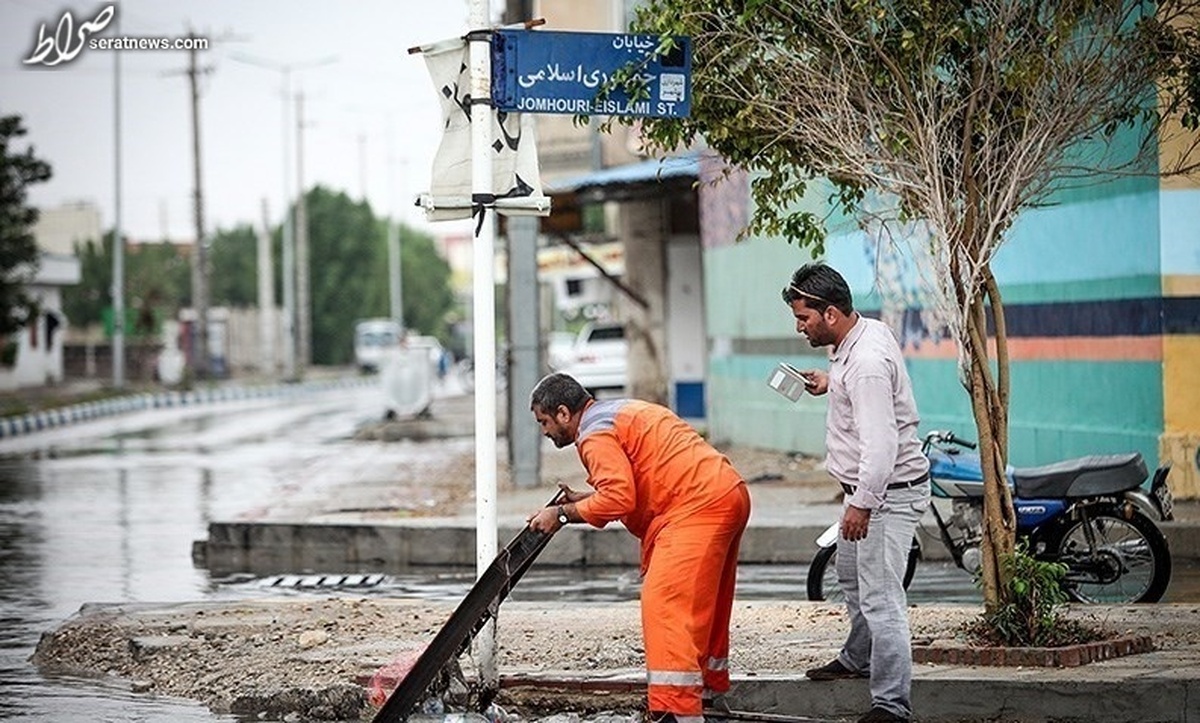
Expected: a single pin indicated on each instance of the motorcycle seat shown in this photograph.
(1081, 477)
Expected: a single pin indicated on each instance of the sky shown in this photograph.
(372, 119)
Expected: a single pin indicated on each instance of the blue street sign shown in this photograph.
(540, 71)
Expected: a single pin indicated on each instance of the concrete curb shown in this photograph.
(1068, 656)
(946, 693)
(286, 547)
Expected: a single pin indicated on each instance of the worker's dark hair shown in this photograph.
(558, 389)
(820, 287)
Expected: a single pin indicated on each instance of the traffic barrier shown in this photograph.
(33, 422)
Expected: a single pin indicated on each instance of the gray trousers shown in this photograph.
(871, 574)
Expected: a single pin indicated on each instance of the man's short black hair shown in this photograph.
(558, 389)
(820, 287)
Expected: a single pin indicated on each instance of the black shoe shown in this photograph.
(833, 671)
(882, 715)
(715, 709)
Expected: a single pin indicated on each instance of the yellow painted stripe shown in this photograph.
(1181, 384)
(1181, 285)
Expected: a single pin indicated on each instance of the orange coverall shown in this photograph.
(689, 507)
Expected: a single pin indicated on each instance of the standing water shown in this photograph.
(107, 511)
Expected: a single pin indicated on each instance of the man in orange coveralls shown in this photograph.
(688, 506)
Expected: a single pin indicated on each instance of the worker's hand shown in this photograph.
(544, 520)
(855, 521)
(816, 381)
(570, 495)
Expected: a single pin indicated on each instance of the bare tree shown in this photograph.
(938, 122)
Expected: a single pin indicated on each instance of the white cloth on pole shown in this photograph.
(516, 179)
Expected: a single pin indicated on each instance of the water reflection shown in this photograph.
(107, 511)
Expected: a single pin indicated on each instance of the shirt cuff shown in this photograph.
(864, 499)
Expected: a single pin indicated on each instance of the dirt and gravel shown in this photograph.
(313, 660)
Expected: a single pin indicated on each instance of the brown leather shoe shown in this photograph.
(833, 671)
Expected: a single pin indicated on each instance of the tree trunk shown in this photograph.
(989, 402)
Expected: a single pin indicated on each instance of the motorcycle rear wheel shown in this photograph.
(822, 579)
(1132, 563)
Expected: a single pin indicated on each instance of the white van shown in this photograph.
(373, 339)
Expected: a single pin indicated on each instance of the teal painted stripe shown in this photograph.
(1181, 231)
(1058, 410)
(1125, 287)
(1110, 236)
(751, 413)
(742, 285)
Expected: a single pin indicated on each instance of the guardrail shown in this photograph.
(33, 422)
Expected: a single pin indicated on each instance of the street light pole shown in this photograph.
(289, 240)
(303, 302)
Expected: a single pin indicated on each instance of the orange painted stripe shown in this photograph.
(1060, 348)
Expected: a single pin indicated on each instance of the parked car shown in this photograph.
(599, 359)
(558, 348)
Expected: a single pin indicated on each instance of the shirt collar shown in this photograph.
(842, 350)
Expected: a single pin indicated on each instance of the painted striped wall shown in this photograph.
(1102, 295)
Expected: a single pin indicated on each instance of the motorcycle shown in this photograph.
(1090, 514)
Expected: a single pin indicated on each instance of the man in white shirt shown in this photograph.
(873, 451)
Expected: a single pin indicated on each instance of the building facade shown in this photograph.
(1102, 299)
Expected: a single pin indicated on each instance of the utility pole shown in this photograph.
(288, 261)
(303, 303)
(289, 242)
(395, 269)
(118, 269)
(200, 250)
(362, 165)
(266, 296)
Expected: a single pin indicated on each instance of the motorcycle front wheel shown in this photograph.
(822, 573)
(1129, 563)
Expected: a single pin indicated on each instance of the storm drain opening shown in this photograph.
(324, 581)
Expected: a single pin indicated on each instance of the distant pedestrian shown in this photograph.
(683, 499)
(873, 451)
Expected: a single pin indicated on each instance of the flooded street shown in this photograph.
(107, 511)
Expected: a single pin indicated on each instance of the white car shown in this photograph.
(599, 358)
(558, 349)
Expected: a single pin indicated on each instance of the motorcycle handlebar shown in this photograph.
(949, 438)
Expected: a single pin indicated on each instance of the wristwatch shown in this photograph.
(562, 516)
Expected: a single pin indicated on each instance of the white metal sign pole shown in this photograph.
(484, 309)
